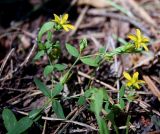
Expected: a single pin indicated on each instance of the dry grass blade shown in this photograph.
(152, 86)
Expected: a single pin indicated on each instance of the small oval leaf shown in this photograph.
(46, 27)
(57, 108)
(9, 119)
(42, 87)
(72, 50)
(22, 125)
(89, 61)
(47, 70)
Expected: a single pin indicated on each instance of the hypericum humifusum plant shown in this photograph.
(98, 99)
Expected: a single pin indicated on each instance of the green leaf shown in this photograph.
(107, 107)
(9, 119)
(89, 92)
(81, 100)
(72, 50)
(41, 46)
(42, 87)
(83, 44)
(22, 125)
(121, 102)
(59, 67)
(102, 126)
(89, 61)
(39, 55)
(97, 97)
(46, 27)
(57, 89)
(106, 97)
(122, 91)
(34, 114)
(47, 70)
(111, 117)
(49, 36)
(97, 101)
(49, 50)
(48, 45)
(57, 108)
(102, 50)
(65, 78)
(98, 58)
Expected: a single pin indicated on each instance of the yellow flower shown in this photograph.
(139, 39)
(133, 81)
(62, 21)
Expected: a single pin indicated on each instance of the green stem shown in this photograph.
(66, 75)
(127, 124)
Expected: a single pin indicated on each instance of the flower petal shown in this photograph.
(138, 33)
(129, 84)
(56, 18)
(144, 46)
(64, 18)
(146, 40)
(135, 76)
(136, 85)
(127, 75)
(132, 37)
(65, 28)
(70, 26)
(141, 81)
(56, 21)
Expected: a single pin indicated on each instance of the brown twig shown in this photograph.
(146, 106)
(73, 118)
(29, 55)
(98, 81)
(5, 60)
(63, 120)
(68, 116)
